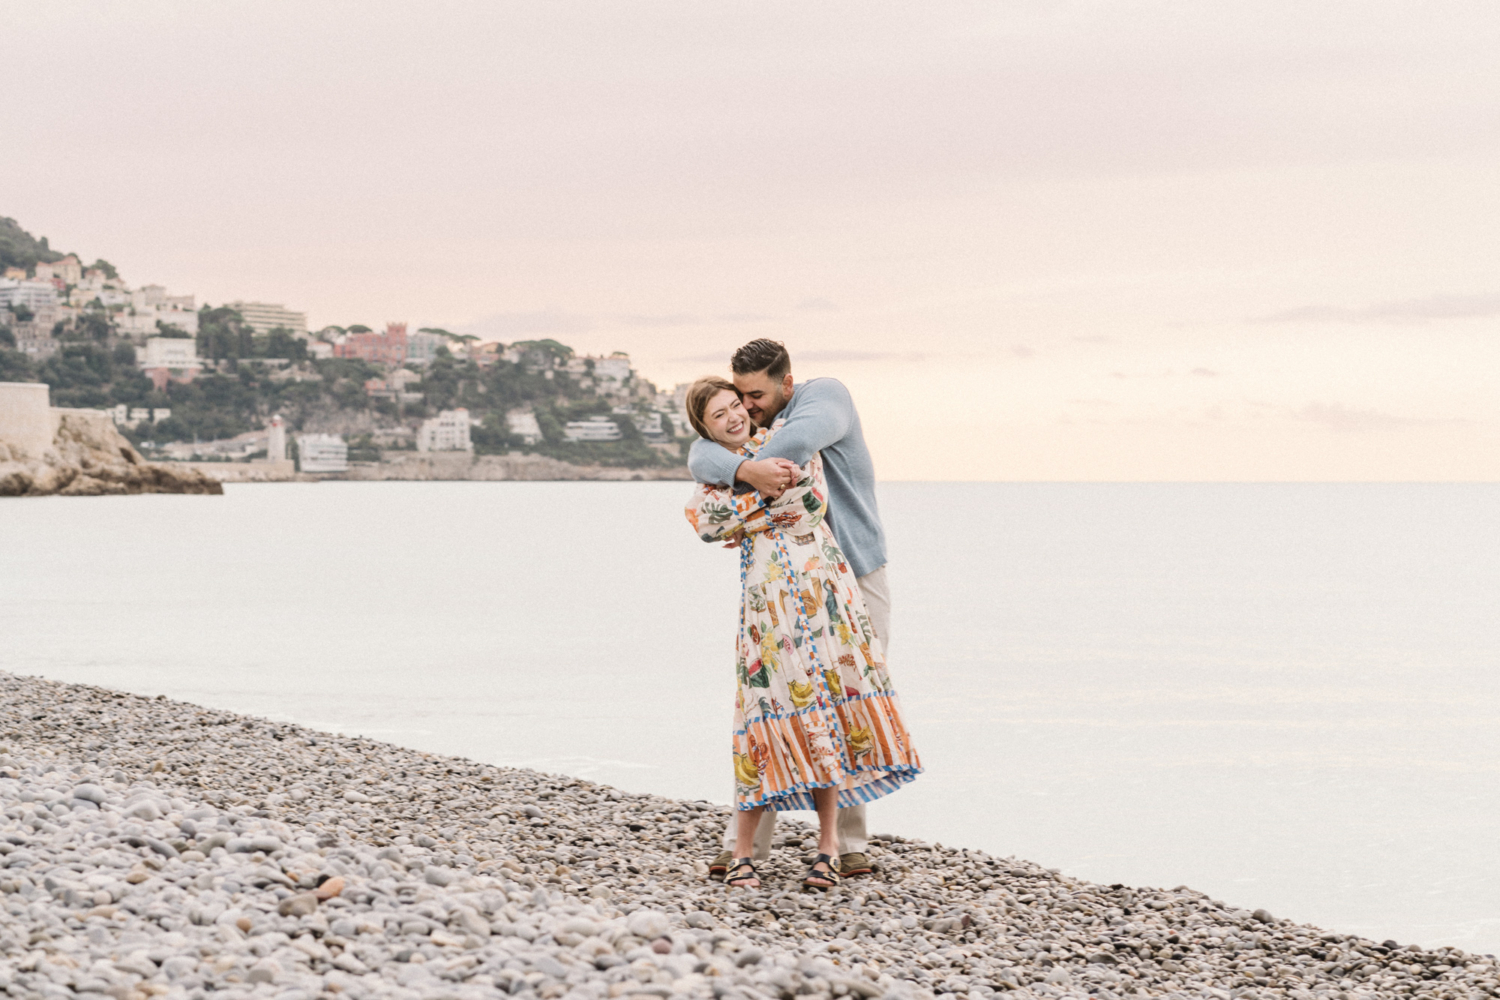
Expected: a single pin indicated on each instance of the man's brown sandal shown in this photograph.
(831, 876)
(719, 866)
(854, 863)
(743, 871)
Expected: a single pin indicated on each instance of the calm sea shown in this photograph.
(1283, 695)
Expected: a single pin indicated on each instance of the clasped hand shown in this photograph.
(770, 477)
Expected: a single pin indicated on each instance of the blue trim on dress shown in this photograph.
(800, 796)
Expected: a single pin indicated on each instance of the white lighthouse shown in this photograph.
(276, 440)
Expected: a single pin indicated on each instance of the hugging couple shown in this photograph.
(786, 478)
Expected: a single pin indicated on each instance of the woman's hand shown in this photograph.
(770, 477)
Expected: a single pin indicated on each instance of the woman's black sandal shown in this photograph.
(734, 879)
(831, 876)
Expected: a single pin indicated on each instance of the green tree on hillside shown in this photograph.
(93, 326)
(16, 367)
(223, 334)
(90, 374)
(281, 343)
(18, 248)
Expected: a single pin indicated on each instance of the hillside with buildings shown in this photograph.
(197, 382)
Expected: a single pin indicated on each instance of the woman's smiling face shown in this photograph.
(726, 419)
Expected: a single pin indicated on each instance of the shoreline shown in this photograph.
(437, 467)
(156, 848)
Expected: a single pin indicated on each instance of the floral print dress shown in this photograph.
(814, 705)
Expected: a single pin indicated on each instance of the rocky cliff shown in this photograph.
(88, 457)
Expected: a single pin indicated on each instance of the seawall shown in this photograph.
(413, 466)
(47, 450)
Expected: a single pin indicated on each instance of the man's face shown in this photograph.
(764, 397)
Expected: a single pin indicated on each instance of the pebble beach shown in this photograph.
(154, 848)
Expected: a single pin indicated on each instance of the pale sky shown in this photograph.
(1124, 241)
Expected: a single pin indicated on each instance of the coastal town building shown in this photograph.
(151, 309)
(393, 386)
(239, 448)
(522, 423)
(650, 425)
(448, 431)
(34, 339)
(597, 428)
(388, 348)
(125, 415)
(609, 375)
(170, 352)
(36, 296)
(68, 271)
(482, 353)
(170, 359)
(322, 453)
(422, 347)
(263, 317)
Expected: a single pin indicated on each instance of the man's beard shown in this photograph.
(766, 414)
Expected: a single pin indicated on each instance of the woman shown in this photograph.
(816, 722)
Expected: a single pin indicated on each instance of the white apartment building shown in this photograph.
(522, 424)
(615, 368)
(593, 429)
(448, 431)
(170, 352)
(649, 424)
(150, 305)
(143, 322)
(610, 373)
(129, 416)
(421, 347)
(263, 317)
(38, 296)
(322, 453)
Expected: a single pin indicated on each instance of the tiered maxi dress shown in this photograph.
(814, 705)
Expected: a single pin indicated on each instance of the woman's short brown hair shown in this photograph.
(698, 395)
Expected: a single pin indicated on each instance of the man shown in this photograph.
(820, 417)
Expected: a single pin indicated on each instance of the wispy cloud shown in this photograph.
(720, 361)
(817, 305)
(834, 357)
(853, 357)
(1338, 417)
(1434, 307)
(1205, 372)
(509, 324)
(671, 319)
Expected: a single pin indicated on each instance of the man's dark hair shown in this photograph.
(762, 355)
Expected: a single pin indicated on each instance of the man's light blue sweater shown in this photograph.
(820, 416)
